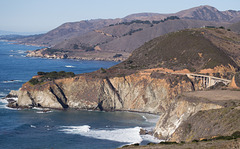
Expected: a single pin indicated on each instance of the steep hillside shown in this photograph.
(194, 49)
(67, 31)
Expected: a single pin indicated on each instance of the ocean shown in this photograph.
(57, 129)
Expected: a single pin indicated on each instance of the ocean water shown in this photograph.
(56, 129)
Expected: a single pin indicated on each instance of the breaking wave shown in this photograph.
(69, 66)
(3, 101)
(12, 81)
(2, 94)
(127, 135)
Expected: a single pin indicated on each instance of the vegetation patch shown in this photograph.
(168, 143)
(85, 47)
(235, 135)
(49, 76)
(147, 22)
(132, 31)
(117, 55)
(51, 51)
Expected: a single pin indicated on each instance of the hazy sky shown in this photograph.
(44, 15)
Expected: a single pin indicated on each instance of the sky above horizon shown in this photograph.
(45, 15)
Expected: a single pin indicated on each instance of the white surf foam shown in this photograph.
(11, 81)
(144, 118)
(20, 51)
(69, 66)
(6, 107)
(32, 126)
(150, 118)
(2, 106)
(151, 139)
(3, 101)
(14, 98)
(36, 108)
(128, 135)
(43, 111)
(3, 94)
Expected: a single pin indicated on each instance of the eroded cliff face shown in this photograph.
(136, 92)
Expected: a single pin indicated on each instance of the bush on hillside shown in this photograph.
(49, 76)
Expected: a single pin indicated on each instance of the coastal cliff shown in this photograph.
(136, 92)
(154, 79)
(143, 91)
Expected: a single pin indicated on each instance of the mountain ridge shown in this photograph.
(63, 32)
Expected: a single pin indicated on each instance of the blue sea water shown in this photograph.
(56, 129)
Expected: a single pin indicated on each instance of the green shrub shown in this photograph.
(182, 142)
(195, 140)
(41, 73)
(75, 46)
(236, 134)
(34, 81)
(224, 138)
(49, 76)
(204, 140)
(168, 143)
(117, 55)
(136, 144)
(103, 70)
(151, 143)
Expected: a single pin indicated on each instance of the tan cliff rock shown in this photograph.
(134, 92)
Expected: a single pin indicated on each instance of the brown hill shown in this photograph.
(68, 30)
(193, 49)
(209, 13)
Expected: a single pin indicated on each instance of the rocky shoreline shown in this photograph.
(82, 55)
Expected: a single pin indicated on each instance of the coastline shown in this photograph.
(89, 56)
(82, 58)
